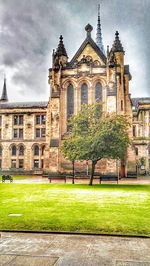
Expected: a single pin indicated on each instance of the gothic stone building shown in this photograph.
(31, 134)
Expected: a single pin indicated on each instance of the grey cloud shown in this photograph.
(30, 30)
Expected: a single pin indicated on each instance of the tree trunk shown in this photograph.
(92, 173)
(73, 174)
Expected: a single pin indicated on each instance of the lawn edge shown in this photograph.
(72, 233)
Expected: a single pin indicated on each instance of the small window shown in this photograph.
(149, 163)
(36, 163)
(15, 134)
(15, 120)
(43, 132)
(38, 119)
(36, 150)
(37, 132)
(0, 163)
(13, 164)
(18, 120)
(14, 151)
(43, 119)
(21, 150)
(0, 121)
(20, 133)
(21, 163)
(0, 133)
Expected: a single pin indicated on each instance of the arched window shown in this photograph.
(84, 94)
(0, 150)
(14, 150)
(70, 101)
(21, 150)
(98, 92)
(36, 150)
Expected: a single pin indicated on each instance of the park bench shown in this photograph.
(57, 177)
(131, 174)
(109, 178)
(7, 177)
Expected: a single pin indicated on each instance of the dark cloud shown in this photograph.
(30, 30)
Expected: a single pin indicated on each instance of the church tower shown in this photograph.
(90, 76)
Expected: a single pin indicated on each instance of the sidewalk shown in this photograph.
(39, 180)
(24, 249)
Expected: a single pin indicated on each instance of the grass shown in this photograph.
(110, 209)
(20, 177)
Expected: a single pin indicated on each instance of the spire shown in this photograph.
(61, 48)
(99, 40)
(4, 97)
(117, 46)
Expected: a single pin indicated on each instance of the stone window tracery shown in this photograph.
(84, 94)
(70, 101)
(98, 92)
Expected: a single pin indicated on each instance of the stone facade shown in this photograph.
(22, 137)
(31, 134)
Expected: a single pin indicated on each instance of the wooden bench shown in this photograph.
(131, 175)
(108, 178)
(58, 177)
(7, 177)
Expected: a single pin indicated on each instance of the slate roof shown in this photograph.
(136, 101)
(18, 105)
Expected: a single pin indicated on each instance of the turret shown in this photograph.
(60, 57)
(4, 97)
(117, 48)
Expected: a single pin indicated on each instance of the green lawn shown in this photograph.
(114, 209)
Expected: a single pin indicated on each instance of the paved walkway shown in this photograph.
(18, 249)
(40, 180)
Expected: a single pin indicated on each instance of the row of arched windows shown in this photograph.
(17, 156)
(84, 96)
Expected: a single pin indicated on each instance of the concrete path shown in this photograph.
(18, 249)
(40, 180)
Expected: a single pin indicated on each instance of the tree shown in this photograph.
(95, 136)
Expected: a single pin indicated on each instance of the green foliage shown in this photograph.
(142, 161)
(96, 135)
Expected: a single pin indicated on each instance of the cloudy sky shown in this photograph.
(30, 29)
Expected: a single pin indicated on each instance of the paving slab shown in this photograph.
(31, 249)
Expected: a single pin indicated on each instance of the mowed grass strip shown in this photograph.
(106, 209)
(20, 177)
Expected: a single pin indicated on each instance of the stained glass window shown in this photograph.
(84, 94)
(70, 101)
(98, 92)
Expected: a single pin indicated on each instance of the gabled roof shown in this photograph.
(90, 41)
